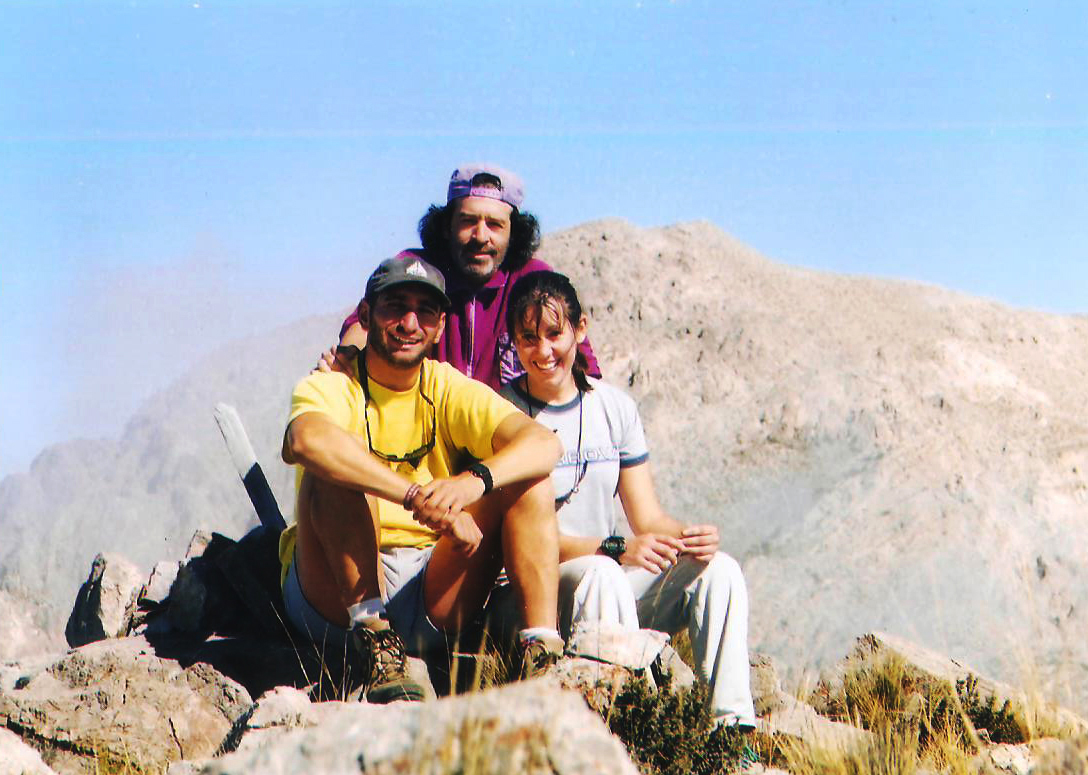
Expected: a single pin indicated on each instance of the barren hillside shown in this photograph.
(879, 455)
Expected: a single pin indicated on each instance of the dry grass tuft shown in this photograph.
(917, 724)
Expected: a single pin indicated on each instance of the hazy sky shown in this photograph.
(174, 175)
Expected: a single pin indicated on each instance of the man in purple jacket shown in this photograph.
(482, 242)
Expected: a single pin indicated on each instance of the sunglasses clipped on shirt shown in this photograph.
(414, 457)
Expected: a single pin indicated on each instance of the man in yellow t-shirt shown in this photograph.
(417, 485)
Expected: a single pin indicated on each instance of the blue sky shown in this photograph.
(175, 175)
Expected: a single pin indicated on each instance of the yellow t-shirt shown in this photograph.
(465, 416)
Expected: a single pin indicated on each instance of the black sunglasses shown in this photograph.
(414, 457)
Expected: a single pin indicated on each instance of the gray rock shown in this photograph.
(634, 650)
(598, 682)
(767, 693)
(284, 706)
(114, 701)
(529, 727)
(800, 721)
(670, 663)
(157, 589)
(106, 601)
(199, 542)
(637, 651)
(281, 708)
(1011, 759)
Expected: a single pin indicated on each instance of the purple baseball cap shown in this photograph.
(510, 188)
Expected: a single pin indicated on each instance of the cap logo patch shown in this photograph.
(416, 269)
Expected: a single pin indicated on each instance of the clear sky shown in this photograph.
(177, 174)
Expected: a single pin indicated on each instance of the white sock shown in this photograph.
(370, 608)
(537, 633)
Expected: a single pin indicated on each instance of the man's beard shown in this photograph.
(376, 341)
(469, 267)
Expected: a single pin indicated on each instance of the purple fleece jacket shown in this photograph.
(476, 342)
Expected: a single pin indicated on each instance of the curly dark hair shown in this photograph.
(434, 228)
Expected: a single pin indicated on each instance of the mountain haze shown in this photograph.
(879, 455)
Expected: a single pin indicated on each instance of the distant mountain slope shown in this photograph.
(879, 455)
(169, 474)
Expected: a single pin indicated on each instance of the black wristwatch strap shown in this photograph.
(614, 547)
(480, 471)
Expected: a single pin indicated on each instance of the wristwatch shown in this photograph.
(480, 471)
(614, 547)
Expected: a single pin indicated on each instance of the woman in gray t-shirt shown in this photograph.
(664, 574)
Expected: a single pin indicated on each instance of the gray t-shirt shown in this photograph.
(611, 438)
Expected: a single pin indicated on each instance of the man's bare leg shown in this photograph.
(530, 540)
(519, 525)
(337, 548)
(337, 552)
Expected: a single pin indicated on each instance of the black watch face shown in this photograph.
(614, 546)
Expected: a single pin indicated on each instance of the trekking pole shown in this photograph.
(245, 462)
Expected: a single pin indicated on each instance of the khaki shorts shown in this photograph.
(404, 570)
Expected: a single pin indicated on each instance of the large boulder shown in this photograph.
(116, 702)
(531, 727)
(105, 602)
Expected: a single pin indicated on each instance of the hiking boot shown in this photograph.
(387, 665)
(537, 655)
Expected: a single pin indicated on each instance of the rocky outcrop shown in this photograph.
(926, 667)
(106, 602)
(115, 701)
(530, 727)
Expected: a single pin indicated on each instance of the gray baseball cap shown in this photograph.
(407, 266)
(511, 190)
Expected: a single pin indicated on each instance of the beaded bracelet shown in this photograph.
(413, 491)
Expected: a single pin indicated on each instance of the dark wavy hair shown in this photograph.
(527, 300)
(434, 229)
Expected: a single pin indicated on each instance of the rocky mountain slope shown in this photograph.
(879, 455)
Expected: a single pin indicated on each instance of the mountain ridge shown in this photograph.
(879, 454)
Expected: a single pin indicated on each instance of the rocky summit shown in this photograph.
(879, 455)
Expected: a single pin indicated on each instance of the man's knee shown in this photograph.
(595, 589)
(533, 496)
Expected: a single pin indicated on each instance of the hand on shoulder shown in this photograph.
(332, 360)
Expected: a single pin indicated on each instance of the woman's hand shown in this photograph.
(700, 541)
(656, 552)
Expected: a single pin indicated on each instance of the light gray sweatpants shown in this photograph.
(710, 599)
